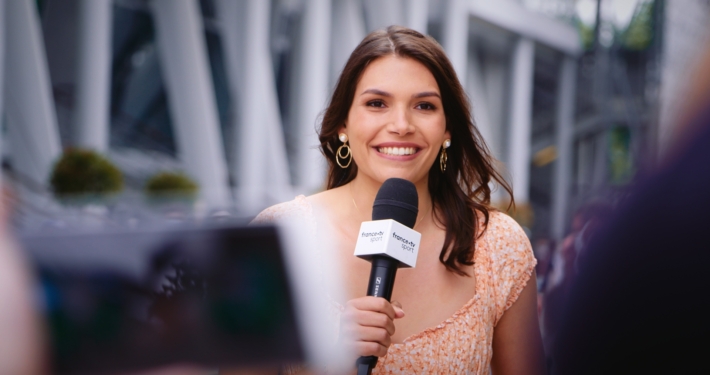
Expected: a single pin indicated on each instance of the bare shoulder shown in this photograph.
(299, 206)
(327, 198)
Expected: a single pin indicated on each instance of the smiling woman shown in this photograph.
(398, 110)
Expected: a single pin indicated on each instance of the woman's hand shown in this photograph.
(367, 325)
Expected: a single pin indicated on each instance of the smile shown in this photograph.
(397, 151)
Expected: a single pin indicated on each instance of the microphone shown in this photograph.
(388, 242)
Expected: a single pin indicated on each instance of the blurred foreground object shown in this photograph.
(80, 171)
(227, 296)
(21, 341)
(640, 301)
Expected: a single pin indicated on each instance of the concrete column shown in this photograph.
(418, 15)
(455, 35)
(32, 121)
(181, 45)
(260, 162)
(348, 30)
(562, 180)
(312, 96)
(93, 74)
(523, 64)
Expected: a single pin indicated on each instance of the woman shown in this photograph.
(398, 110)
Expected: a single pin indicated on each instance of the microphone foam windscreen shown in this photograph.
(398, 200)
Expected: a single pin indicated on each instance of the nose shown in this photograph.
(400, 123)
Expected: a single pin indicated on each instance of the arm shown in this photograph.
(517, 344)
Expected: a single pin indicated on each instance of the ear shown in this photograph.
(342, 129)
(447, 135)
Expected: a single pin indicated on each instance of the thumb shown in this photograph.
(398, 312)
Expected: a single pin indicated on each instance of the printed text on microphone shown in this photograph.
(406, 244)
(374, 236)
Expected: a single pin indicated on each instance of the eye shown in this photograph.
(426, 106)
(377, 103)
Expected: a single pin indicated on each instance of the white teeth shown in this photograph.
(397, 150)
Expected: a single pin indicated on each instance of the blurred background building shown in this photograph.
(573, 96)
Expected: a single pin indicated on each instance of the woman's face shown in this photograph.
(396, 124)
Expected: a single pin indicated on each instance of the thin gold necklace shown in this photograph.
(358, 208)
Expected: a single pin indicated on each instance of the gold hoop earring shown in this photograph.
(443, 158)
(344, 148)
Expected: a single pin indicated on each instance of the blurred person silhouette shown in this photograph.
(565, 263)
(640, 302)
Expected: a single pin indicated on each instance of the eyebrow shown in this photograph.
(385, 93)
(426, 94)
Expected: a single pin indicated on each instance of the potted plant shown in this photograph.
(82, 175)
(170, 188)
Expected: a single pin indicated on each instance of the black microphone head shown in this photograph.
(398, 200)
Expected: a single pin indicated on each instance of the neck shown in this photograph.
(364, 192)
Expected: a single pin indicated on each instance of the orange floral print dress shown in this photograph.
(462, 344)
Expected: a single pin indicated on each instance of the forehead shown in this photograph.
(395, 73)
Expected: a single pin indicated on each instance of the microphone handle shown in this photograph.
(382, 275)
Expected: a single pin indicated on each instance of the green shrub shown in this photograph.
(80, 171)
(171, 183)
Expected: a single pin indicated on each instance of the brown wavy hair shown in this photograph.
(463, 189)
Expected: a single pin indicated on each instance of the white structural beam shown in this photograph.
(260, 161)
(92, 93)
(418, 15)
(455, 36)
(513, 16)
(191, 98)
(312, 70)
(32, 121)
(523, 63)
(348, 30)
(562, 180)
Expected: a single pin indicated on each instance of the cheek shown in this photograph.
(360, 128)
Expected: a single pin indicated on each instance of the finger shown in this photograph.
(398, 311)
(368, 334)
(376, 304)
(369, 319)
(364, 349)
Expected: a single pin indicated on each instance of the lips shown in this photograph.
(397, 151)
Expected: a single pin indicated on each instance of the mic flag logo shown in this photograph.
(388, 237)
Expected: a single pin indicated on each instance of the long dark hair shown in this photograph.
(460, 192)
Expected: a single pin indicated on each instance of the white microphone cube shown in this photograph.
(388, 237)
